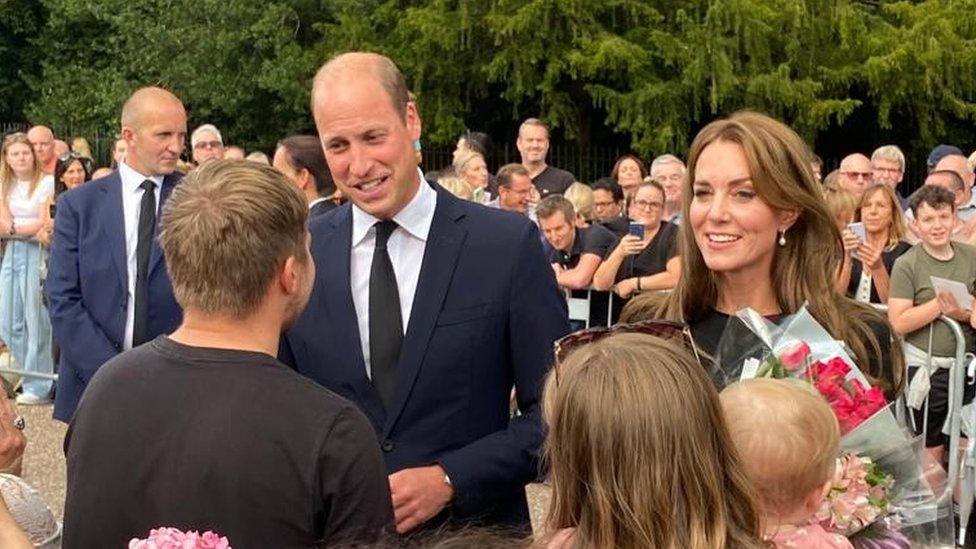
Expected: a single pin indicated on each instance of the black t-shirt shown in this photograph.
(654, 258)
(211, 439)
(594, 239)
(888, 257)
(619, 226)
(553, 181)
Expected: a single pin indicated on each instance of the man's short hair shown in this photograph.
(305, 152)
(611, 186)
(889, 152)
(226, 229)
(550, 205)
(533, 122)
(506, 172)
(664, 160)
(933, 195)
(384, 70)
(956, 185)
(195, 136)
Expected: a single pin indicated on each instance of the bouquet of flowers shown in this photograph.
(172, 538)
(881, 492)
(859, 495)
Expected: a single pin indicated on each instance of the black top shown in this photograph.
(594, 240)
(725, 355)
(619, 226)
(553, 181)
(224, 440)
(888, 257)
(654, 258)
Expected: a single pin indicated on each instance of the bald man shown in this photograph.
(107, 285)
(855, 174)
(42, 141)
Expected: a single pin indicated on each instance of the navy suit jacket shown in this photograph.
(87, 289)
(485, 314)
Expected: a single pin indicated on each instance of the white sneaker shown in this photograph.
(30, 400)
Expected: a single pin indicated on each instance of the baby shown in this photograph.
(787, 438)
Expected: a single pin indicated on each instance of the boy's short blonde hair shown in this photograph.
(786, 435)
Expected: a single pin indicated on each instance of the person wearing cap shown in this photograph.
(207, 143)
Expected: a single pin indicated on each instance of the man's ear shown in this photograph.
(288, 276)
(306, 178)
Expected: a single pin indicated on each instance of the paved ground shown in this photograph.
(44, 463)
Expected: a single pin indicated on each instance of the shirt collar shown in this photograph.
(131, 179)
(316, 201)
(415, 218)
(972, 200)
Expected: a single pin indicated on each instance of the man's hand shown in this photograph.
(418, 495)
(949, 307)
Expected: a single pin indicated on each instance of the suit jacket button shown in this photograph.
(387, 446)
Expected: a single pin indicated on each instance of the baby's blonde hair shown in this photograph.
(787, 438)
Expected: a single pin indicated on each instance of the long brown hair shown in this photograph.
(639, 451)
(803, 269)
(896, 227)
(7, 176)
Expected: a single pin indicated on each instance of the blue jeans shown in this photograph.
(24, 322)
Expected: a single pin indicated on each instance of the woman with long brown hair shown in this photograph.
(639, 452)
(756, 233)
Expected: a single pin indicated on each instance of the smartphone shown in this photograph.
(52, 210)
(858, 230)
(636, 229)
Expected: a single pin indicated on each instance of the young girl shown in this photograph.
(787, 438)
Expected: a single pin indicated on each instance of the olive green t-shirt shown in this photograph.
(910, 279)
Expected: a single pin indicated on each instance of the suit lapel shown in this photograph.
(114, 217)
(156, 252)
(440, 258)
(332, 242)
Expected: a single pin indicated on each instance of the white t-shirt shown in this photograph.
(26, 207)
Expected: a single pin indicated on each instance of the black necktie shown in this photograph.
(147, 229)
(385, 323)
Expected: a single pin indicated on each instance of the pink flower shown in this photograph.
(795, 356)
(173, 538)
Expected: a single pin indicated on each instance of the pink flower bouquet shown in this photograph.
(858, 497)
(172, 538)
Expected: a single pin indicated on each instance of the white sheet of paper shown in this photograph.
(749, 368)
(954, 288)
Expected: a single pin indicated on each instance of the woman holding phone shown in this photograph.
(646, 258)
(871, 246)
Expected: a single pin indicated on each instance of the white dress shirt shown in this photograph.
(406, 248)
(131, 206)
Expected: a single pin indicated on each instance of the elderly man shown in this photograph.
(855, 174)
(668, 170)
(42, 141)
(207, 144)
(426, 311)
(533, 145)
(966, 206)
(107, 285)
(514, 190)
(888, 167)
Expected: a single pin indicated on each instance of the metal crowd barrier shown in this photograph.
(5, 294)
(579, 307)
(957, 378)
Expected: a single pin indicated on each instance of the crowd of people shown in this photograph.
(335, 347)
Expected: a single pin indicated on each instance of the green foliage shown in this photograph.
(651, 72)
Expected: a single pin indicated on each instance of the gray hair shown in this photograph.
(195, 136)
(664, 160)
(889, 152)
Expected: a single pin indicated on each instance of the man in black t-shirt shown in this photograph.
(608, 206)
(204, 429)
(533, 145)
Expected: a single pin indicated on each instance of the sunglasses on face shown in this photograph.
(663, 329)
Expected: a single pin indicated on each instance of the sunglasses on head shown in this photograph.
(663, 329)
(70, 156)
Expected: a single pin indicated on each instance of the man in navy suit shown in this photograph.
(107, 286)
(426, 311)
